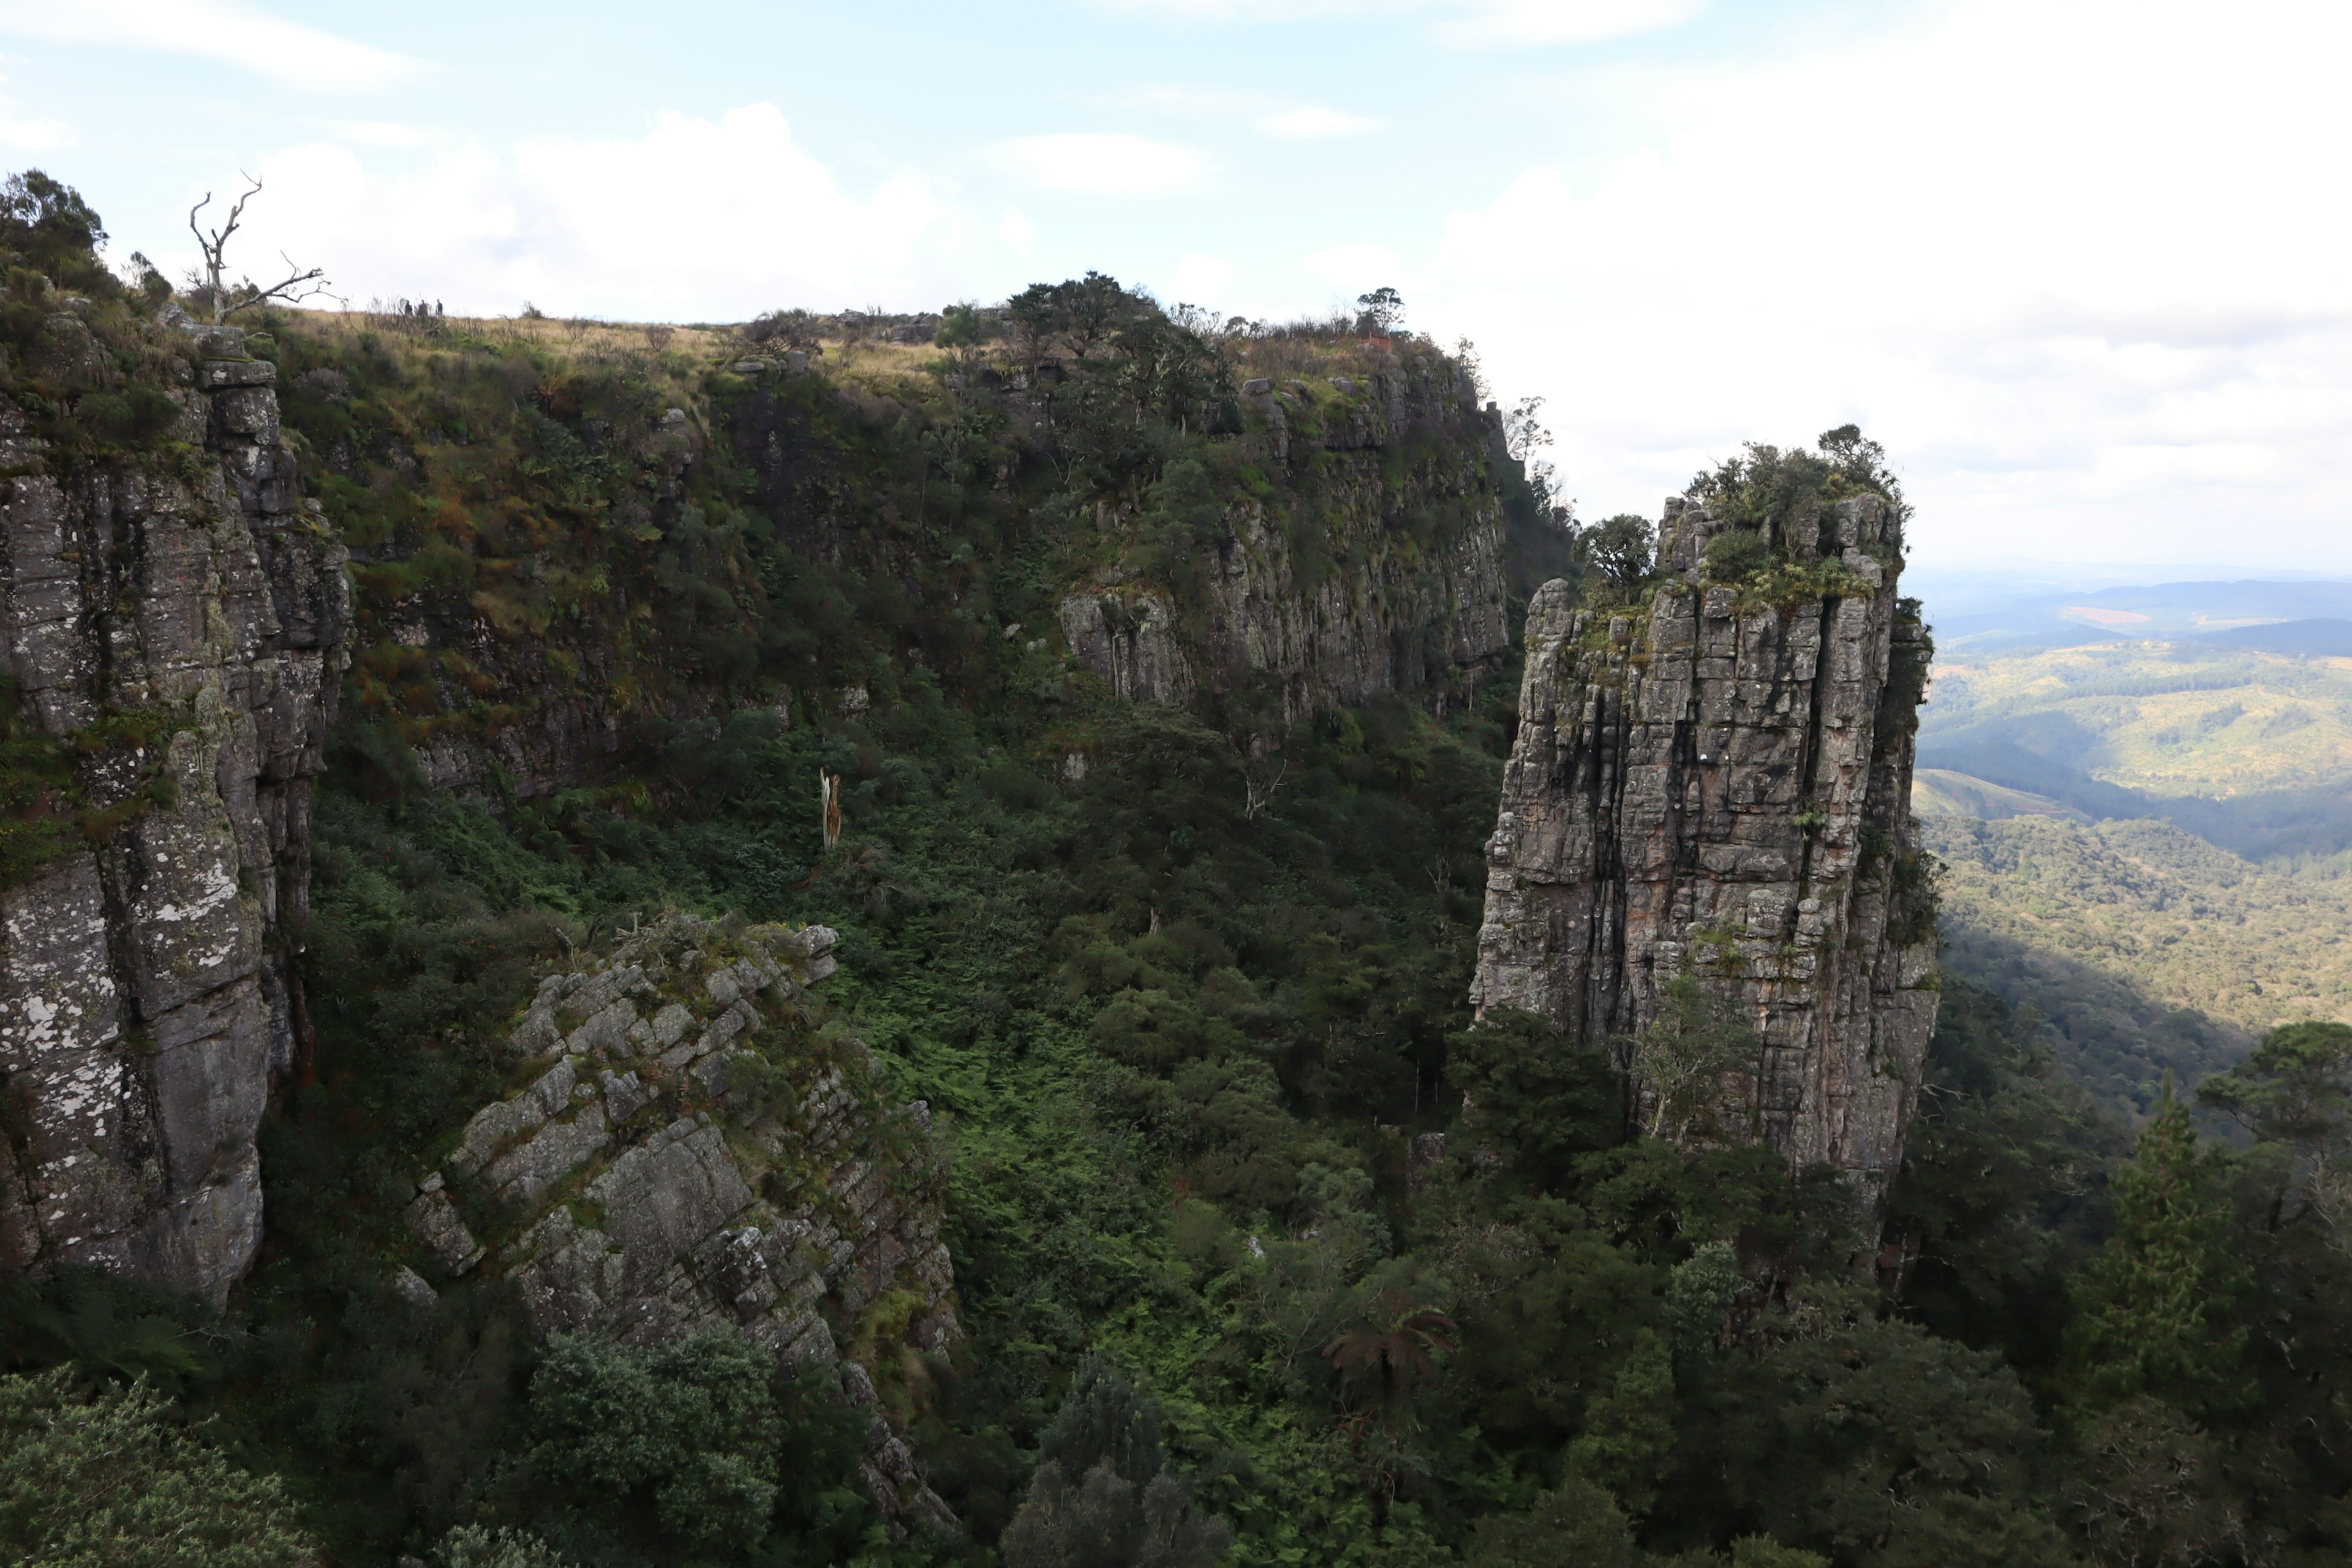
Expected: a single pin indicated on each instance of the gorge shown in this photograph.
(1055, 933)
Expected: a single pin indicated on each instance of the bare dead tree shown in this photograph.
(1259, 789)
(299, 283)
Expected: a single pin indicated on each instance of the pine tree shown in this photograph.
(2155, 1310)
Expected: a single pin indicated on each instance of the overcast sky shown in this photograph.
(2082, 267)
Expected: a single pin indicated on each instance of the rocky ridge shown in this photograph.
(1719, 780)
(181, 627)
(694, 1155)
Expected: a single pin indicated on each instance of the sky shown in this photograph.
(2080, 267)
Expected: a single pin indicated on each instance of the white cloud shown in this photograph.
(1281, 119)
(1200, 279)
(1492, 22)
(1463, 24)
(2071, 262)
(1101, 163)
(1361, 267)
(224, 31)
(695, 219)
(33, 135)
(1313, 121)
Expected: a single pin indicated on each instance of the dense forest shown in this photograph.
(1182, 985)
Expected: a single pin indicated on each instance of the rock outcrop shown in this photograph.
(696, 1154)
(1719, 779)
(179, 623)
(1382, 571)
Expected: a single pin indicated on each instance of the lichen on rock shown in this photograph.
(696, 1153)
(190, 612)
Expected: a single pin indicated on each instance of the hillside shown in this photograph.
(2093, 923)
(851, 939)
(2251, 751)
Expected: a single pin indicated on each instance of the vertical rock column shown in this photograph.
(1725, 785)
(147, 992)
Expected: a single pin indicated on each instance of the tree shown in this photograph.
(1628, 1441)
(1105, 1520)
(1576, 1525)
(1681, 1061)
(299, 283)
(1399, 1341)
(48, 221)
(1537, 1099)
(1380, 311)
(1122, 1509)
(2156, 1308)
(687, 1443)
(109, 1479)
(1618, 549)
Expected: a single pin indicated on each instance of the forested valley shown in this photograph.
(1153, 972)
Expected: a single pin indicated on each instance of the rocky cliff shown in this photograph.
(1376, 564)
(174, 627)
(1715, 778)
(690, 1151)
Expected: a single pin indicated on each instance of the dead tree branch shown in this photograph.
(301, 283)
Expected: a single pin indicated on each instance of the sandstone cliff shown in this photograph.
(697, 1154)
(1376, 566)
(1717, 777)
(175, 625)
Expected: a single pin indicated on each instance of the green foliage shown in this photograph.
(691, 1443)
(1107, 1521)
(2157, 1308)
(1575, 1523)
(1878, 1442)
(1620, 550)
(1737, 554)
(479, 1546)
(1543, 1100)
(2001, 1195)
(1628, 1441)
(109, 1479)
(1122, 1508)
(2295, 1090)
(1685, 1059)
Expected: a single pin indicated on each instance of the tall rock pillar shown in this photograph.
(1719, 780)
(182, 622)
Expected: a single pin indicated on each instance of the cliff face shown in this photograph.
(1375, 564)
(1719, 781)
(181, 630)
(694, 1155)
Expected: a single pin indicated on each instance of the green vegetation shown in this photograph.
(1183, 988)
(2250, 750)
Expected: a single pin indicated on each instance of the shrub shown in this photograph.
(111, 1480)
(1737, 554)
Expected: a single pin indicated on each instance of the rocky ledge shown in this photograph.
(696, 1153)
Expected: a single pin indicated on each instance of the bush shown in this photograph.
(111, 1479)
(1736, 555)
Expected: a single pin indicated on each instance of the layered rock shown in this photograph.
(1382, 571)
(181, 626)
(1719, 780)
(693, 1155)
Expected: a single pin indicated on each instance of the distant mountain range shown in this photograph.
(2267, 616)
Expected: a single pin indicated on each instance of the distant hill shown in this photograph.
(1941, 790)
(2327, 636)
(2147, 947)
(2250, 750)
(1980, 622)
